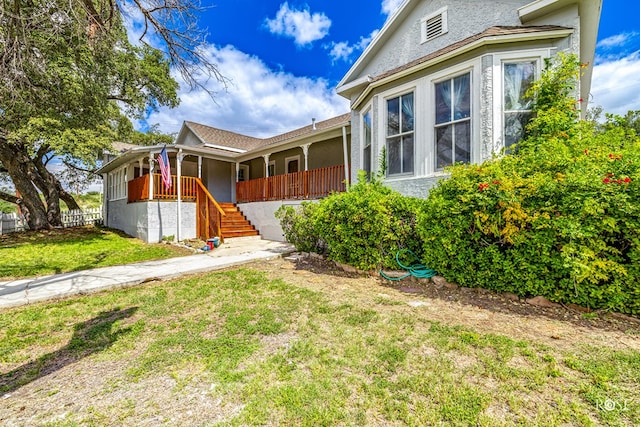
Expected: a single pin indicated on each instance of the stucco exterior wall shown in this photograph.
(150, 221)
(415, 187)
(262, 216)
(465, 18)
(280, 157)
(327, 153)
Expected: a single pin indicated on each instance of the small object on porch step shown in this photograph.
(206, 247)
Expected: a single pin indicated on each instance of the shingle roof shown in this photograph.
(211, 135)
(489, 32)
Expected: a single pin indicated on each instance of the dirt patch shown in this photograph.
(482, 298)
(479, 309)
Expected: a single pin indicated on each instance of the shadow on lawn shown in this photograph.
(90, 336)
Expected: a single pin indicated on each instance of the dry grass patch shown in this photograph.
(271, 345)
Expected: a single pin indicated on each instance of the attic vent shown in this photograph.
(433, 25)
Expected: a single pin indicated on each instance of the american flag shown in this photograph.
(165, 168)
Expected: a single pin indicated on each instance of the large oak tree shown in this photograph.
(70, 78)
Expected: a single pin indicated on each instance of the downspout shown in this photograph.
(179, 158)
(345, 150)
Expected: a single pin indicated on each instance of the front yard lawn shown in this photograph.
(71, 249)
(271, 345)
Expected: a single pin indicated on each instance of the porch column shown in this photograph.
(140, 166)
(200, 167)
(305, 151)
(266, 165)
(238, 172)
(179, 159)
(151, 166)
(345, 150)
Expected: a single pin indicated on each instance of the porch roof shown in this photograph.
(220, 144)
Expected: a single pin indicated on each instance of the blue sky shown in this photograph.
(284, 59)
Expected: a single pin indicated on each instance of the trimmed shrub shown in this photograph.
(364, 227)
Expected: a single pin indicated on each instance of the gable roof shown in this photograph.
(222, 138)
(496, 34)
(491, 32)
(530, 13)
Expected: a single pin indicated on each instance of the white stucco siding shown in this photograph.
(150, 221)
(464, 19)
(262, 216)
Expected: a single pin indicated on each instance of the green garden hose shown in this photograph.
(416, 269)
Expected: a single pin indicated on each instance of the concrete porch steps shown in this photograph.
(234, 223)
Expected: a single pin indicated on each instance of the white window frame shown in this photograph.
(473, 66)
(368, 110)
(424, 36)
(538, 55)
(401, 91)
(245, 171)
(288, 160)
(118, 184)
(472, 113)
(272, 163)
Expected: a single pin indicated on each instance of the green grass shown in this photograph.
(71, 249)
(282, 354)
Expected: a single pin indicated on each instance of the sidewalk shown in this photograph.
(232, 252)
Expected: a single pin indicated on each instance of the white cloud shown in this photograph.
(618, 40)
(390, 6)
(259, 101)
(616, 84)
(300, 25)
(343, 50)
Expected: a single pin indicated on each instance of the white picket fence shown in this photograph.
(12, 222)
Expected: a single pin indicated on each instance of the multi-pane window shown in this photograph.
(117, 188)
(366, 143)
(453, 121)
(518, 77)
(400, 134)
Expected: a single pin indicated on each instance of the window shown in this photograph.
(518, 77)
(272, 168)
(433, 25)
(243, 173)
(117, 184)
(292, 164)
(453, 121)
(400, 134)
(366, 143)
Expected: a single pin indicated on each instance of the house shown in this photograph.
(441, 83)
(222, 183)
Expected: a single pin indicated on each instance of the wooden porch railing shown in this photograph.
(310, 184)
(139, 188)
(209, 214)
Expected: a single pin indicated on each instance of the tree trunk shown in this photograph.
(19, 167)
(48, 185)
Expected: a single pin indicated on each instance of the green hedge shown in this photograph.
(560, 218)
(363, 227)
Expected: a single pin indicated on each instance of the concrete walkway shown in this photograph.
(233, 252)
